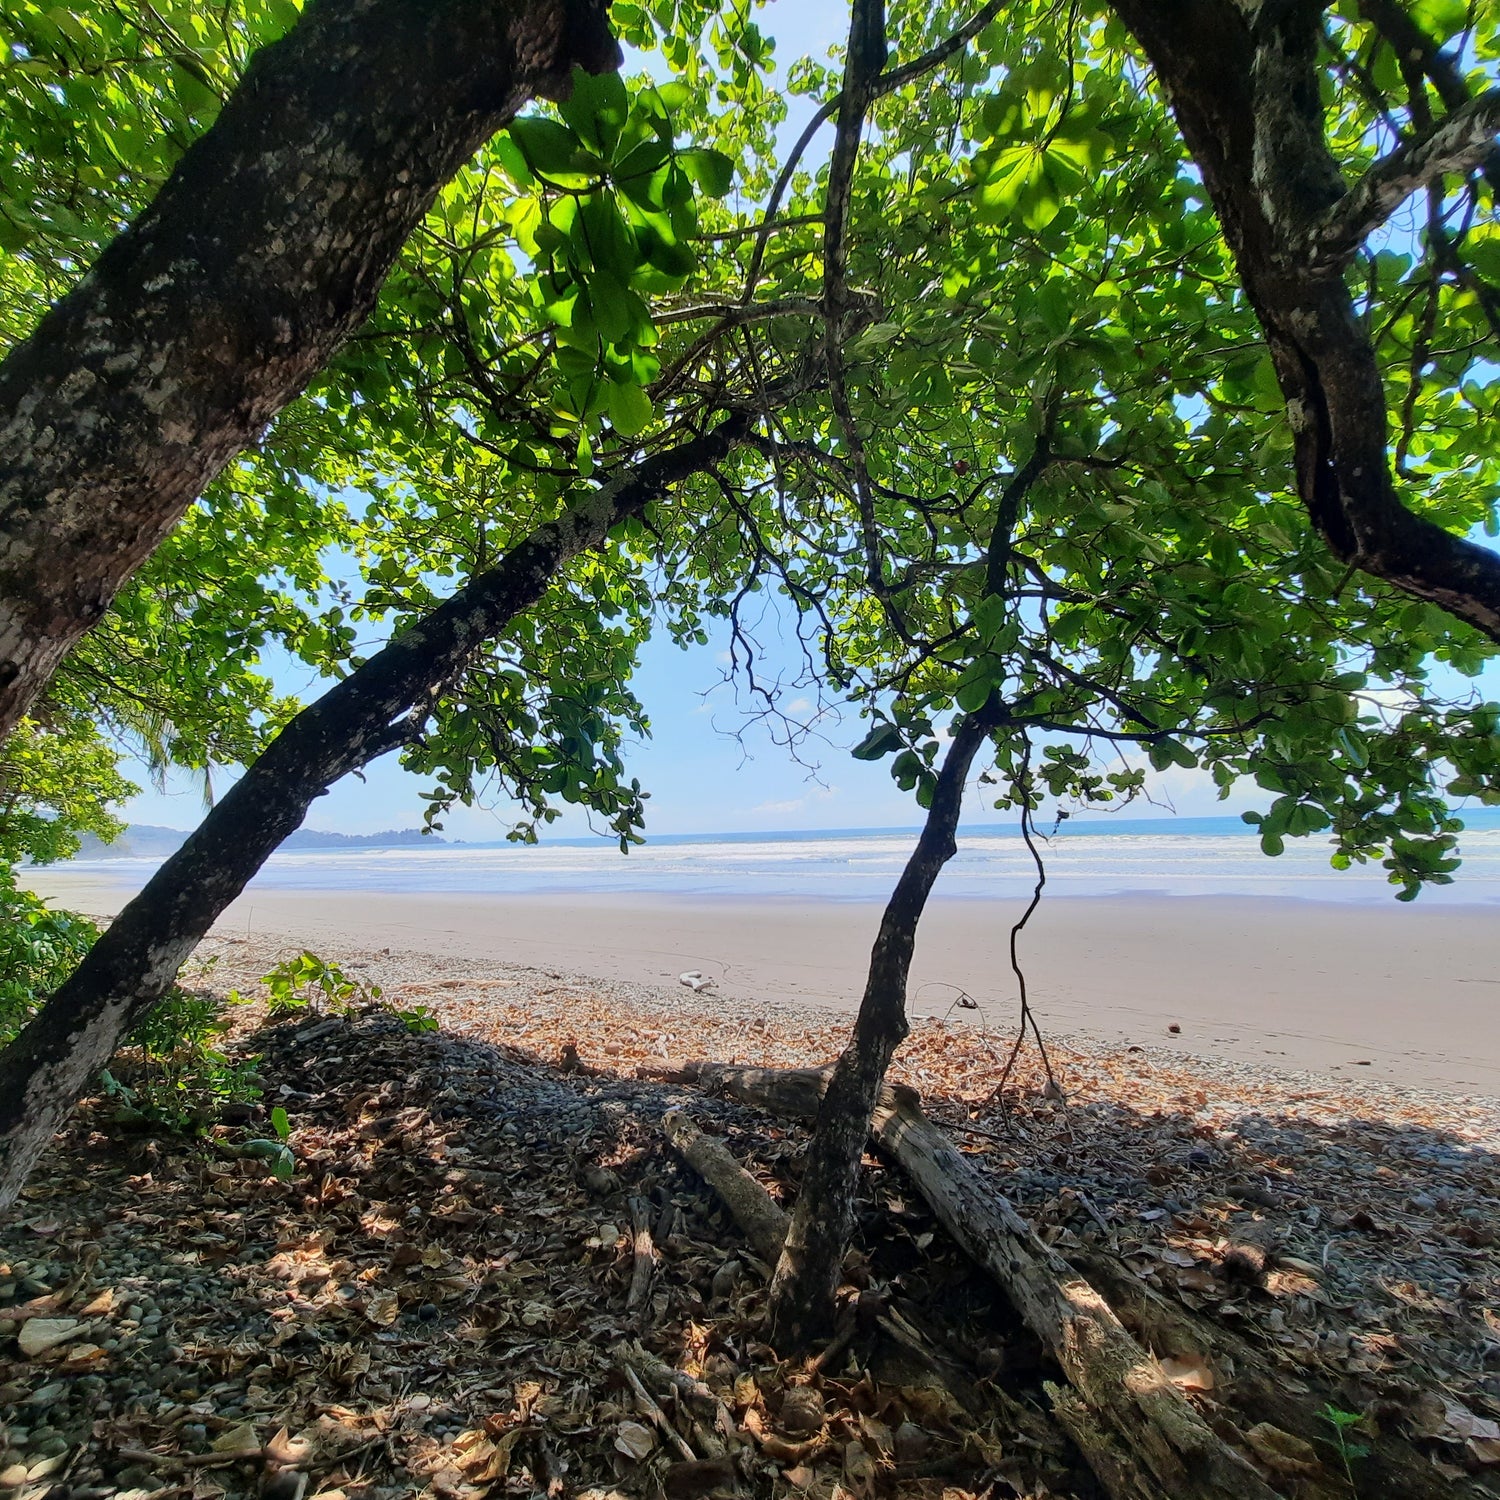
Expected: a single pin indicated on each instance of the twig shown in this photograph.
(984, 1135)
(190, 1460)
(648, 1406)
(341, 1460)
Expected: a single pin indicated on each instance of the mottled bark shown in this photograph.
(805, 1287)
(380, 705)
(1243, 82)
(263, 251)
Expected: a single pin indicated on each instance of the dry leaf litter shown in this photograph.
(435, 1303)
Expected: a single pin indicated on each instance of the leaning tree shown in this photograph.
(1006, 440)
(263, 250)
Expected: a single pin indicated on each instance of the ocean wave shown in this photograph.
(844, 866)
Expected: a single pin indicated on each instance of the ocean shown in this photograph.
(1164, 857)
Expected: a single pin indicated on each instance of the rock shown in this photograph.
(696, 1477)
(912, 1443)
(41, 1334)
(289, 1484)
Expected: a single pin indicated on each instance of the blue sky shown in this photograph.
(709, 767)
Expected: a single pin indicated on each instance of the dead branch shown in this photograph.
(762, 1219)
(644, 1252)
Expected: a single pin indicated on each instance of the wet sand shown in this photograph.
(1413, 994)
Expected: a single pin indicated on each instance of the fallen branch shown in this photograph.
(701, 1404)
(1138, 1431)
(763, 1220)
(651, 1410)
(1262, 1394)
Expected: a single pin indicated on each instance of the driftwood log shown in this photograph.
(763, 1220)
(1263, 1395)
(1142, 1437)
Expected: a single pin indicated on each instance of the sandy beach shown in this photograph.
(1397, 995)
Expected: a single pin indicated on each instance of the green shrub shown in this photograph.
(39, 948)
(171, 1073)
(177, 1077)
(308, 980)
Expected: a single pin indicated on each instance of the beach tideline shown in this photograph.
(1403, 995)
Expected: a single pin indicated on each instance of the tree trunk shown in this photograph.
(1143, 1437)
(1243, 82)
(805, 1287)
(376, 708)
(264, 250)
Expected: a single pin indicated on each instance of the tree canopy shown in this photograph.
(1018, 425)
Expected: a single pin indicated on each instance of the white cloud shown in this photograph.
(795, 805)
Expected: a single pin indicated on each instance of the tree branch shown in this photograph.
(1458, 144)
(936, 56)
(378, 706)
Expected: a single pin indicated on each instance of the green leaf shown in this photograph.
(711, 170)
(879, 742)
(596, 108)
(550, 149)
(630, 409)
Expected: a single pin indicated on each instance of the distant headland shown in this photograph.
(149, 841)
